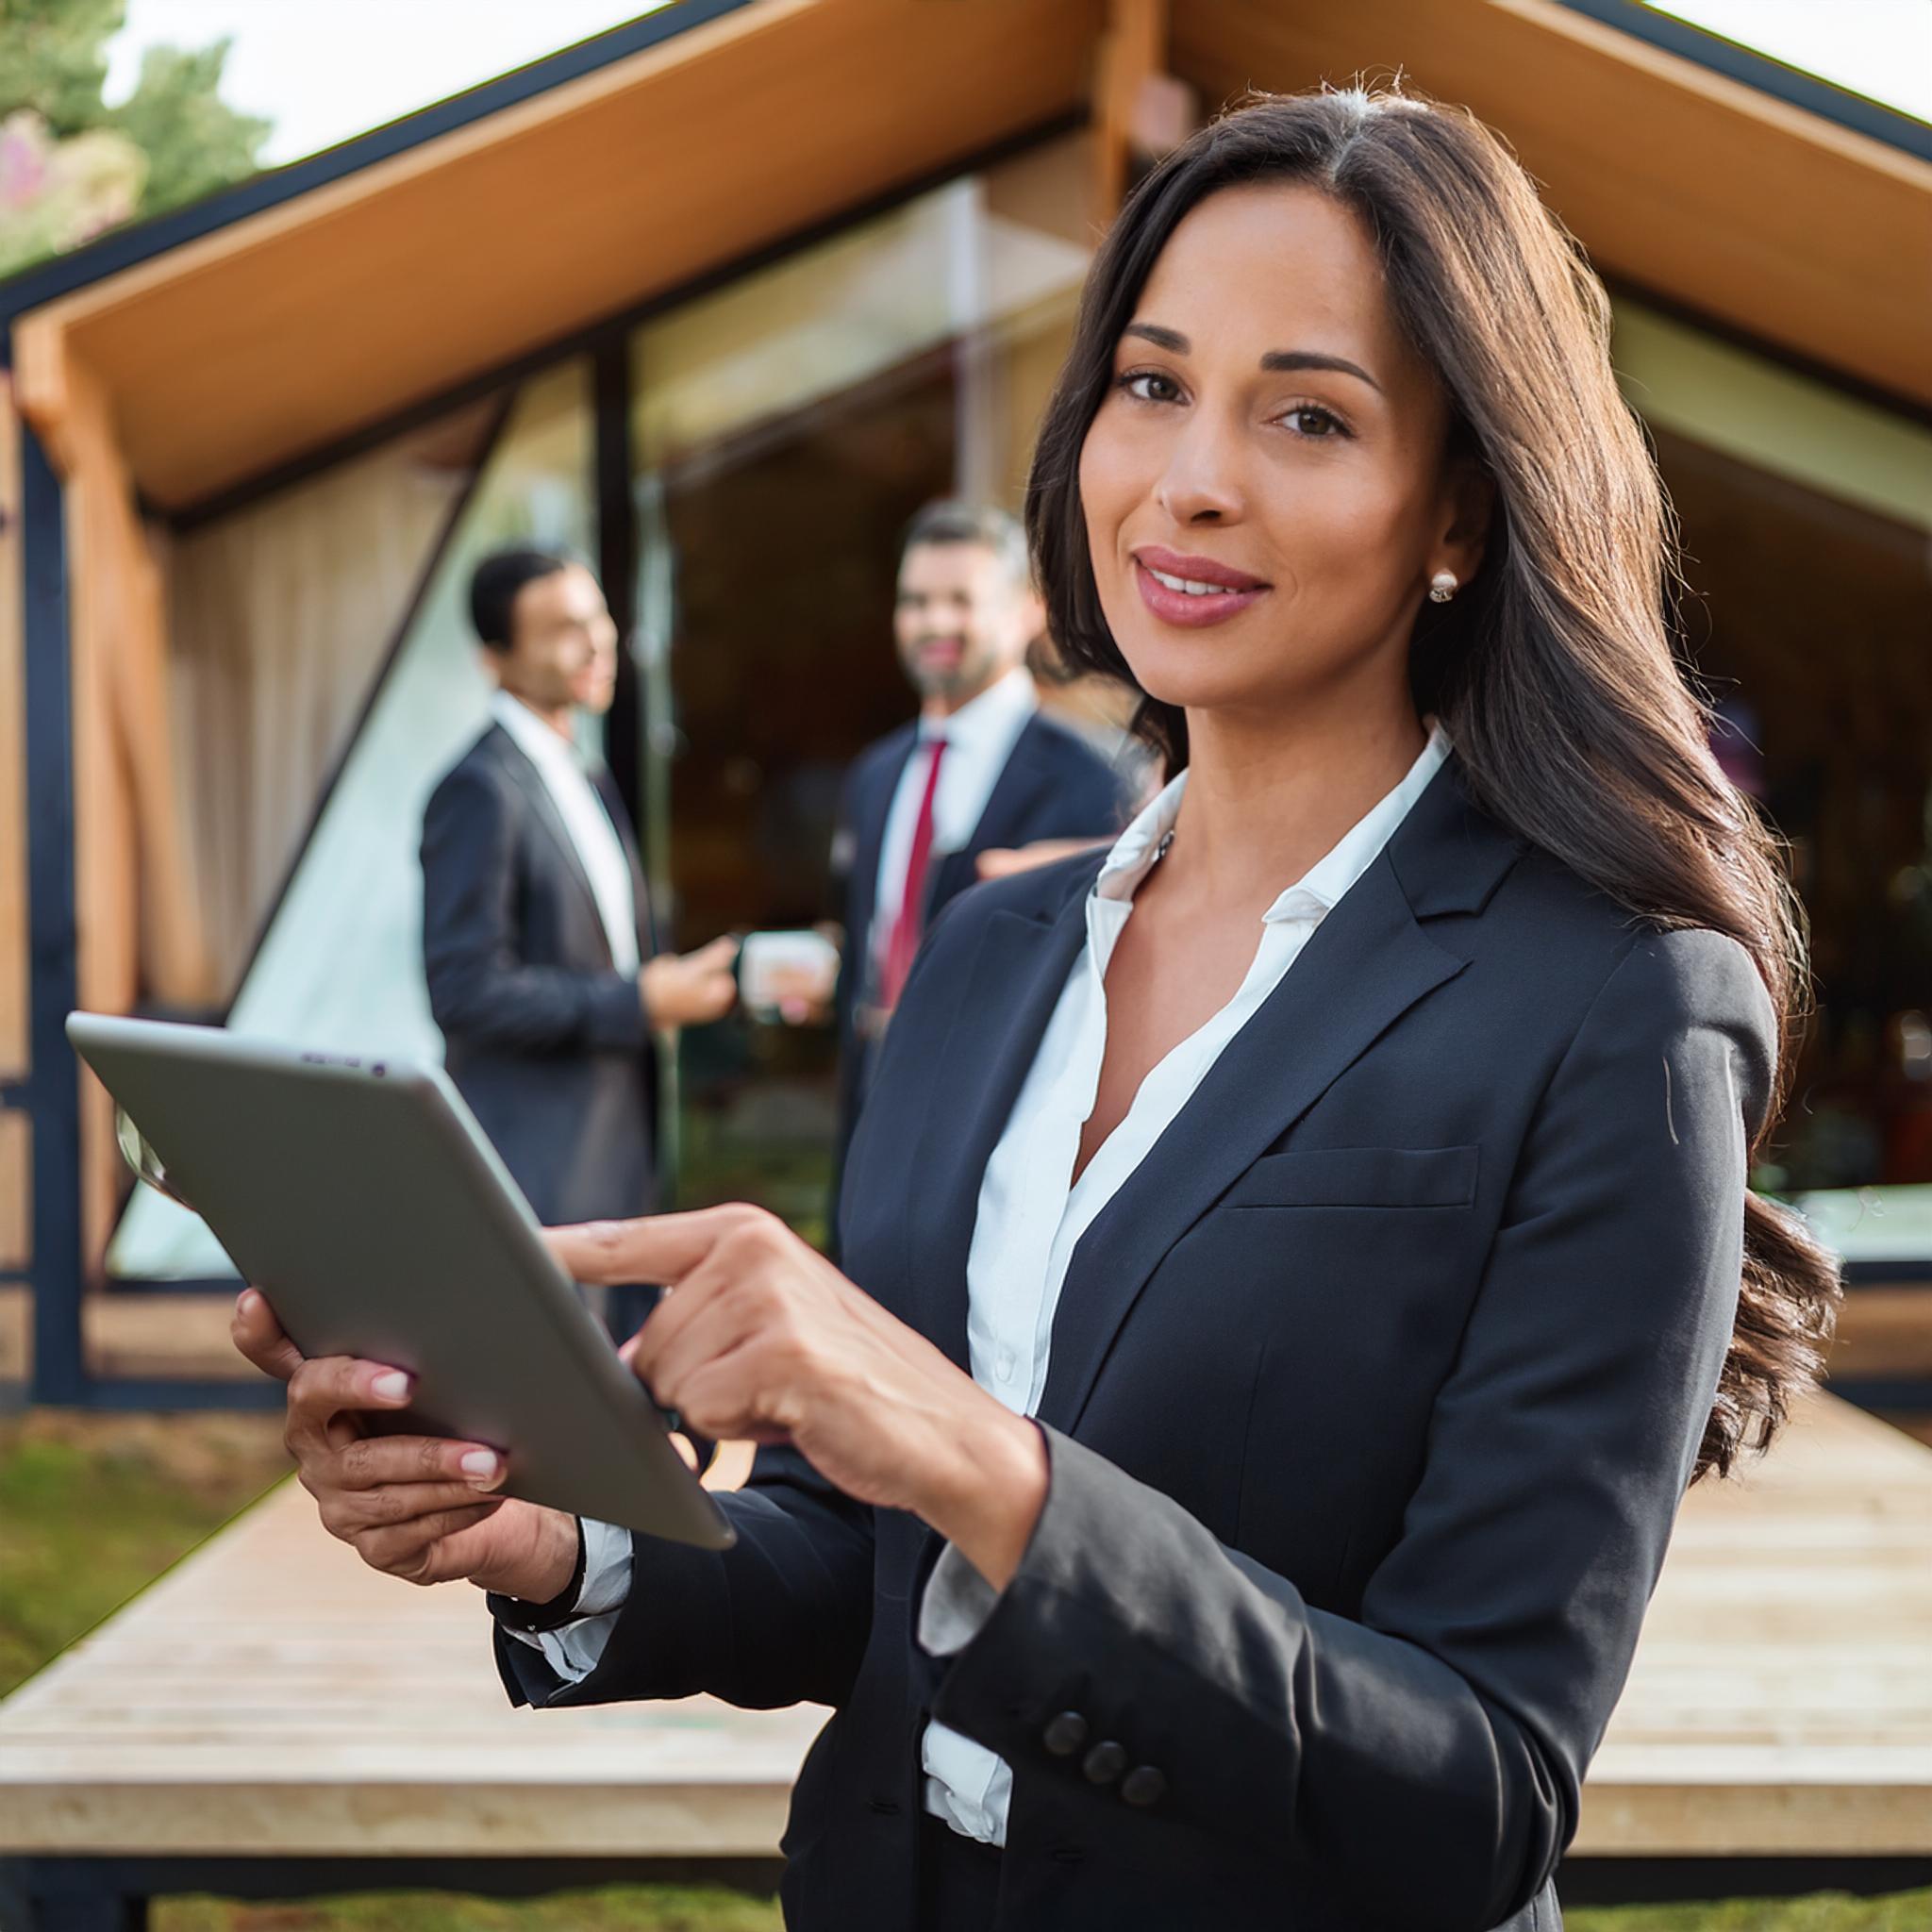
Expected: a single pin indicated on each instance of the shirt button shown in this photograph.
(1065, 1734)
(1006, 1364)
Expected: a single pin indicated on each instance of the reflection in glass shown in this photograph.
(785, 429)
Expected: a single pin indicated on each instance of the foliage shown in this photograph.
(72, 167)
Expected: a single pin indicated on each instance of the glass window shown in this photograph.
(786, 428)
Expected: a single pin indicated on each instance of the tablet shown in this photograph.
(361, 1197)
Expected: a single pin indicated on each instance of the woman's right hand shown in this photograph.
(413, 1506)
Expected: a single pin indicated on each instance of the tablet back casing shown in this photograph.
(363, 1200)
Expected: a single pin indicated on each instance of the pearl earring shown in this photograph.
(1442, 586)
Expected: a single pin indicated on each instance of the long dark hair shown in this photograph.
(1552, 669)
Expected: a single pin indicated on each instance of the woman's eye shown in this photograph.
(1131, 384)
(1331, 425)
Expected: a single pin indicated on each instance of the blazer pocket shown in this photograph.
(1358, 1177)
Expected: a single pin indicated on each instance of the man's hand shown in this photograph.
(690, 989)
(1003, 861)
(761, 1339)
(414, 1507)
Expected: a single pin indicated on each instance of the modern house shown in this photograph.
(719, 298)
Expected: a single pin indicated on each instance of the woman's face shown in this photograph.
(1315, 496)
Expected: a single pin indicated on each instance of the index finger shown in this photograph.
(718, 952)
(661, 1248)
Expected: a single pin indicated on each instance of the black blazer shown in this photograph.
(1371, 1398)
(1053, 786)
(545, 1040)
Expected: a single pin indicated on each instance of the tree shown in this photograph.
(71, 166)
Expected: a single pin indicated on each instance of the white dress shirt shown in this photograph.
(585, 818)
(1031, 1214)
(980, 737)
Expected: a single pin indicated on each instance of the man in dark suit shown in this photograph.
(980, 769)
(538, 941)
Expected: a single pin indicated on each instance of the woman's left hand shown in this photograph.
(759, 1338)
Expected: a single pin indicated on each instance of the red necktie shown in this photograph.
(911, 923)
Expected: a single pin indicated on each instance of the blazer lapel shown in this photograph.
(1018, 972)
(869, 813)
(1366, 964)
(516, 762)
(1015, 795)
(1024, 775)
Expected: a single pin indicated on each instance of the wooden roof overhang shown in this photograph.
(279, 334)
(1715, 195)
(282, 333)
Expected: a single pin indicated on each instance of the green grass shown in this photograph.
(93, 1509)
(1823, 1912)
(616, 1909)
(632, 1909)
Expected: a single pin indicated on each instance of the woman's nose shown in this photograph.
(1200, 483)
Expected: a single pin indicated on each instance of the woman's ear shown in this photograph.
(1472, 492)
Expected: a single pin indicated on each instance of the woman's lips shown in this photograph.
(1184, 608)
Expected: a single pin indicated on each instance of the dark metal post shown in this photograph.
(617, 555)
(53, 1087)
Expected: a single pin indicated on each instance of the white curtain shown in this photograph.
(341, 966)
(279, 619)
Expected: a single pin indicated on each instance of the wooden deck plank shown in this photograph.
(271, 1695)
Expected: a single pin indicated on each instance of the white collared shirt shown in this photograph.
(1030, 1216)
(980, 737)
(585, 818)
(1031, 1213)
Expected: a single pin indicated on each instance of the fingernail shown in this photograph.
(394, 1385)
(246, 1300)
(479, 1462)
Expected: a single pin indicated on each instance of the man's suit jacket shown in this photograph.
(1053, 786)
(545, 1040)
(1371, 1398)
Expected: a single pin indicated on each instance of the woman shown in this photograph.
(1298, 1258)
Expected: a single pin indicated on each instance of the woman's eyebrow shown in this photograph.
(1161, 337)
(1275, 358)
(1313, 359)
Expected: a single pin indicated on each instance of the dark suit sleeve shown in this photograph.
(1103, 799)
(1090, 798)
(844, 835)
(782, 1617)
(480, 989)
(1422, 1764)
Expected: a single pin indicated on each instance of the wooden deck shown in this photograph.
(1781, 1699)
(272, 1697)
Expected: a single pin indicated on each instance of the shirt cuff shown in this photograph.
(573, 1645)
(954, 1605)
(606, 1568)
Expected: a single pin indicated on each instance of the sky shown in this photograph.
(1882, 49)
(327, 70)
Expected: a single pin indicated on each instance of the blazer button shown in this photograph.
(1065, 1734)
(1143, 1785)
(1104, 1762)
